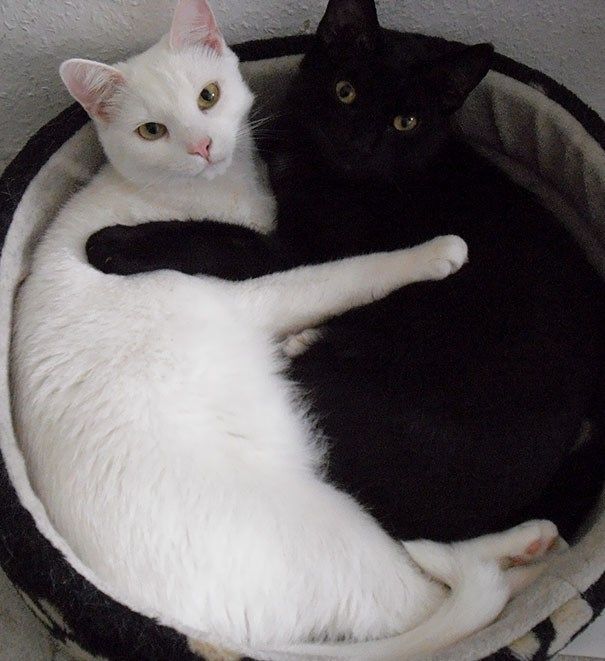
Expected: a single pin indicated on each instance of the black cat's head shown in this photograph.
(371, 102)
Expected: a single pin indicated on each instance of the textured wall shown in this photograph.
(564, 38)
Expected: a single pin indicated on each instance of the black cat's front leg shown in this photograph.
(118, 249)
(193, 247)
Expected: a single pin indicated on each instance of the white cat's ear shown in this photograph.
(194, 24)
(93, 85)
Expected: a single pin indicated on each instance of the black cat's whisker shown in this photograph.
(284, 164)
(263, 133)
(262, 108)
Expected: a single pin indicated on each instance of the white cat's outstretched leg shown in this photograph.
(288, 302)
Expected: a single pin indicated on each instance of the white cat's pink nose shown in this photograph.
(202, 148)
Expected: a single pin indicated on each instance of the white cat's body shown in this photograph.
(165, 443)
(177, 460)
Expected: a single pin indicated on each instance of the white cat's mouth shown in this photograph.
(213, 160)
(198, 165)
(217, 167)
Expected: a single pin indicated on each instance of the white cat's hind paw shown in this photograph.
(534, 539)
(295, 345)
(448, 255)
(517, 546)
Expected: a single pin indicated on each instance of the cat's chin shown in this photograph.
(352, 169)
(216, 169)
(345, 164)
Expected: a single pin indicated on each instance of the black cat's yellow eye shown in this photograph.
(405, 122)
(152, 131)
(345, 92)
(209, 96)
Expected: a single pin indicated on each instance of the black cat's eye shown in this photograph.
(152, 131)
(209, 96)
(405, 122)
(345, 92)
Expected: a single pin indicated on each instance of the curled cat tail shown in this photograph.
(474, 602)
(480, 588)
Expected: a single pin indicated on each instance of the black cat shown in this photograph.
(452, 407)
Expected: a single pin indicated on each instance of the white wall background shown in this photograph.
(563, 38)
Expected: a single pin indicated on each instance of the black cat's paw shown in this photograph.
(113, 250)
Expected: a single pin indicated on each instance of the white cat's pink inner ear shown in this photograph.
(194, 24)
(93, 85)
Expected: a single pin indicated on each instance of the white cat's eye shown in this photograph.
(209, 96)
(152, 131)
(405, 122)
(345, 92)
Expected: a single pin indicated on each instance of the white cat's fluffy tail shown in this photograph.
(479, 592)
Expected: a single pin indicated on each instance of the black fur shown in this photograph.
(224, 251)
(453, 406)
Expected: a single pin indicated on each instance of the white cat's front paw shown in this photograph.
(447, 254)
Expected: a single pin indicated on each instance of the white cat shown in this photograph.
(158, 429)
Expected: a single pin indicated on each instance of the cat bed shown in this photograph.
(531, 127)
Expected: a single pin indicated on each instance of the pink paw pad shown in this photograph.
(536, 549)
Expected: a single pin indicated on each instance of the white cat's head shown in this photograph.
(175, 110)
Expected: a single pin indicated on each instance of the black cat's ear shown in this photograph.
(349, 27)
(457, 74)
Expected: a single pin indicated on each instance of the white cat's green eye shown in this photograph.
(152, 131)
(345, 92)
(209, 96)
(405, 122)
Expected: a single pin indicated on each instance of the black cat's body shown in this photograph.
(451, 407)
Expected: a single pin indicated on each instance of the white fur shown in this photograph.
(157, 427)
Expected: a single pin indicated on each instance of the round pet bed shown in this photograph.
(531, 127)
